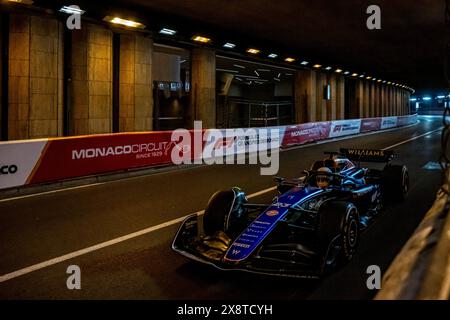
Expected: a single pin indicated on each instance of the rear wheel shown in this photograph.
(338, 231)
(395, 182)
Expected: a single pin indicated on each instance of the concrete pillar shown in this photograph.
(391, 101)
(91, 80)
(305, 96)
(1, 74)
(321, 111)
(408, 102)
(135, 83)
(377, 100)
(340, 97)
(381, 95)
(360, 98)
(366, 100)
(203, 87)
(372, 100)
(35, 77)
(402, 105)
(331, 104)
(387, 96)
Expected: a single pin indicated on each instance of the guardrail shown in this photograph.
(47, 160)
(422, 268)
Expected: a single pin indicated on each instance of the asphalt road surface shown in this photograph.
(67, 224)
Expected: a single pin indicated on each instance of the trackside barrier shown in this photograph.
(422, 268)
(47, 160)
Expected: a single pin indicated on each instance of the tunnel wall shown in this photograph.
(108, 87)
(46, 160)
(35, 77)
(420, 271)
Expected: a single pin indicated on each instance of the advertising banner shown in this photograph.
(372, 124)
(406, 120)
(18, 160)
(388, 122)
(306, 132)
(344, 127)
(82, 156)
(46, 160)
(239, 141)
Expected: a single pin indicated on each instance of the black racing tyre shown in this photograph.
(395, 183)
(217, 211)
(338, 225)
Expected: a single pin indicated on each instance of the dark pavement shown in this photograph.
(38, 228)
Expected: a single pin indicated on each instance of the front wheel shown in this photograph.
(338, 231)
(224, 212)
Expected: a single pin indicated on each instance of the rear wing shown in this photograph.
(368, 155)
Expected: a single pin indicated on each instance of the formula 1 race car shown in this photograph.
(313, 224)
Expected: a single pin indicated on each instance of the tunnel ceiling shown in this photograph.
(410, 48)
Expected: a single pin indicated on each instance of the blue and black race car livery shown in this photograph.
(311, 226)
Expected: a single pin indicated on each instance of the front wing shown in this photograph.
(276, 259)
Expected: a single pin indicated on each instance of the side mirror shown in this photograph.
(278, 179)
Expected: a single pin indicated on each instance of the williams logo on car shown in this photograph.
(8, 169)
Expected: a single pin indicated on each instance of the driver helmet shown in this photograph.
(323, 180)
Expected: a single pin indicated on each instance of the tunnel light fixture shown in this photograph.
(253, 51)
(384, 81)
(374, 79)
(354, 74)
(72, 10)
(289, 59)
(168, 32)
(201, 39)
(426, 98)
(304, 63)
(389, 82)
(347, 72)
(227, 70)
(22, 1)
(441, 97)
(328, 68)
(362, 76)
(229, 45)
(413, 99)
(368, 77)
(272, 55)
(124, 22)
(338, 70)
(379, 80)
(317, 66)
